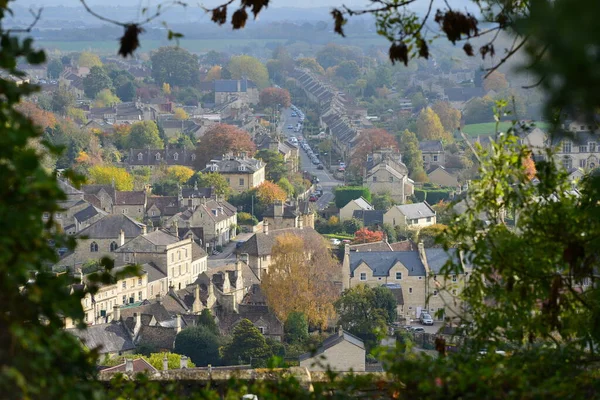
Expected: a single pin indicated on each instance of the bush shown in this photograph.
(200, 344)
(296, 328)
(351, 225)
(345, 194)
(429, 234)
(433, 196)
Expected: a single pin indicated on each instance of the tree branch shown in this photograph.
(36, 17)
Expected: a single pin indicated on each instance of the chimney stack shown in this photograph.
(340, 331)
(144, 230)
(183, 362)
(116, 313)
(158, 299)
(178, 323)
(128, 365)
(197, 306)
(266, 227)
(165, 363)
(121, 238)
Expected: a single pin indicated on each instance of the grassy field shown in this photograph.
(193, 45)
(489, 128)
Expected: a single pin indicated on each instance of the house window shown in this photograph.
(139, 281)
(180, 270)
(172, 256)
(179, 255)
(374, 179)
(113, 246)
(391, 179)
(420, 277)
(175, 156)
(428, 219)
(46, 215)
(140, 296)
(398, 275)
(241, 181)
(566, 146)
(583, 149)
(409, 290)
(94, 247)
(124, 211)
(435, 158)
(363, 276)
(157, 156)
(567, 163)
(454, 278)
(153, 213)
(124, 299)
(435, 292)
(140, 156)
(592, 146)
(124, 285)
(262, 329)
(58, 215)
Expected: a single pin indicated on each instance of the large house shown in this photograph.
(433, 153)
(416, 273)
(410, 216)
(242, 173)
(296, 215)
(341, 351)
(227, 90)
(154, 158)
(360, 204)
(385, 173)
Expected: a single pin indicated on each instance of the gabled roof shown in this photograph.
(369, 217)
(163, 203)
(213, 209)
(260, 244)
(150, 243)
(139, 365)
(196, 192)
(437, 258)
(288, 211)
(130, 197)
(380, 262)
(362, 203)
(373, 246)
(110, 227)
(416, 210)
(112, 338)
(235, 165)
(68, 188)
(431, 146)
(154, 272)
(333, 340)
(87, 213)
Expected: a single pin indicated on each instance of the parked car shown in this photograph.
(313, 198)
(417, 329)
(335, 242)
(315, 161)
(320, 166)
(426, 319)
(294, 114)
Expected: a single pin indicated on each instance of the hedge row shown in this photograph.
(433, 196)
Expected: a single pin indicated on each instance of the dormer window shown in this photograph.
(157, 156)
(140, 156)
(175, 156)
(193, 157)
(242, 168)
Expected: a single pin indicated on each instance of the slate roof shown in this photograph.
(197, 192)
(362, 203)
(254, 313)
(161, 338)
(112, 338)
(139, 365)
(110, 227)
(380, 262)
(288, 211)
(147, 308)
(198, 251)
(130, 197)
(416, 210)
(69, 189)
(87, 213)
(436, 258)
(431, 146)
(255, 296)
(373, 246)
(149, 242)
(196, 233)
(163, 203)
(260, 244)
(228, 209)
(232, 165)
(154, 272)
(405, 245)
(169, 156)
(369, 217)
(333, 340)
(231, 85)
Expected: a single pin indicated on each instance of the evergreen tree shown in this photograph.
(247, 345)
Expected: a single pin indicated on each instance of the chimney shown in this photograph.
(128, 365)
(266, 227)
(197, 306)
(121, 238)
(239, 89)
(165, 363)
(278, 208)
(138, 322)
(116, 313)
(178, 324)
(158, 299)
(340, 331)
(211, 299)
(144, 230)
(300, 222)
(226, 282)
(183, 362)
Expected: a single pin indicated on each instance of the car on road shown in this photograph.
(426, 319)
(320, 166)
(315, 180)
(294, 114)
(313, 198)
(417, 329)
(335, 242)
(315, 161)
(342, 165)
(290, 126)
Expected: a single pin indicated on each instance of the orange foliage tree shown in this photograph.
(371, 140)
(271, 97)
(43, 119)
(221, 139)
(301, 278)
(364, 235)
(268, 192)
(529, 166)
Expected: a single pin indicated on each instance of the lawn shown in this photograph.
(340, 236)
(489, 128)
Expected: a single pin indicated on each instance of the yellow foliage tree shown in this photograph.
(301, 278)
(268, 193)
(166, 88)
(449, 116)
(496, 82)
(82, 157)
(180, 173)
(77, 115)
(108, 174)
(213, 73)
(180, 114)
(105, 98)
(429, 126)
(89, 60)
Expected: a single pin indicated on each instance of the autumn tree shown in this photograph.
(365, 235)
(249, 67)
(212, 180)
(120, 136)
(89, 60)
(310, 64)
(107, 175)
(39, 117)
(213, 73)
(429, 126)
(272, 97)
(412, 157)
(144, 134)
(301, 279)
(221, 139)
(179, 173)
(268, 192)
(180, 114)
(449, 116)
(496, 81)
(371, 140)
(529, 166)
(106, 98)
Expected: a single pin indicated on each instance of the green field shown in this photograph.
(193, 45)
(489, 128)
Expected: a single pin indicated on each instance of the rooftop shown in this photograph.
(380, 262)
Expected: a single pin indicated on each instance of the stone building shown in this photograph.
(410, 216)
(433, 153)
(241, 172)
(341, 351)
(296, 215)
(385, 173)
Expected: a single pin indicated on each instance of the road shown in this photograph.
(326, 181)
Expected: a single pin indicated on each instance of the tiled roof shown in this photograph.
(163, 203)
(260, 244)
(154, 272)
(416, 210)
(380, 262)
(431, 146)
(196, 192)
(112, 338)
(260, 314)
(231, 85)
(463, 93)
(198, 252)
(288, 211)
(405, 245)
(151, 242)
(373, 246)
(212, 208)
(362, 203)
(68, 188)
(333, 340)
(235, 165)
(110, 227)
(161, 338)
(161, 156)
(437, 258)
(130, 198)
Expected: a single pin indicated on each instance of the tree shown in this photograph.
(345, 194)
(429, 235)
(364, 235)
(145, 135)
(108, 175)
(529, 165)
(383, 299)
(40, 118)
(200, 344)
(173, 360)
(221, 139)
(89, 60)
(166, 88)
(449, 116)
(207, 320)
(55, 68)
(175, 66)
(105, 98)
(310, 64)
(360, 315)
(215, 58)
(383, 201)
(180, 114)
(418, 101)
(301, 278)
(273, 97)
(332, 54)
(429, 126)
(478, 110)
(268, 192)
(126, 91)
(249, 67)
(352, 225)
(412, 155)
(247, 345)
(371, 140)
(77, 114)
(96, 81)
(348, 70)
(213, 180)
(296, 328)
(179, 173)
(496, 81)
(214, 73)
(275, 167)
(287, 187)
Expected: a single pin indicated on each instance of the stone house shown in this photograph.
(433, 153)
(130, 203)
(348, 210)
(243, 90)
(242, 173)
(122, 113)
(385, 173)
(86, 217)
(340, 352)
(155, 158)
(410, 216)
(296, 215)
(369, 218)
(111, 339)
(440, 176)
(160, 208)
(100, 196)
(217, 218)
(288, 151)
